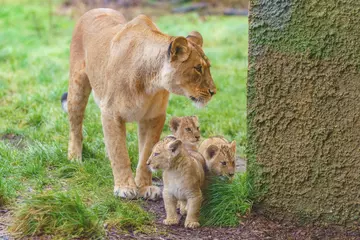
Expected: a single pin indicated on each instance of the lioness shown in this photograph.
(131, 67)
(183, 179)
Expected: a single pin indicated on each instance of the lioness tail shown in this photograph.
(64, 102)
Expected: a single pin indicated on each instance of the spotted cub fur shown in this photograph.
(219, 155)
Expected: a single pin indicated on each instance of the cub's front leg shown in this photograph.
(115, 142)
(170, 208)
(193, 211)
(149, 132)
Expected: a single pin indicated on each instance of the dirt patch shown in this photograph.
(131, 9)
(5, 222)
(240, 164)
(254, 227)
(14, 140)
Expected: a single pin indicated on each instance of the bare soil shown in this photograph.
(254, 227)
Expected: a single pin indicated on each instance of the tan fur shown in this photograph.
(219, 155)
(186, 128)
(131, 67)
(183, 178)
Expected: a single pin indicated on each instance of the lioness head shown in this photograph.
(221, 159)
(186, 128)
(188, 70)
(163, 153)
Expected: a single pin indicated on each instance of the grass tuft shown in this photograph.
(56, 213)
(124, 215)
(4, 193)
(226, 202)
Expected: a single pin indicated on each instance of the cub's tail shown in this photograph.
(64, 102)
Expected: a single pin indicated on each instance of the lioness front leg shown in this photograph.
(115, 141)
(149, 132)
(193, 211)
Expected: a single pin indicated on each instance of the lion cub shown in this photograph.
(186, 129)
(219, 155)
(183, 177)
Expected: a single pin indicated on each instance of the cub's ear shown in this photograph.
(179, 50)
(233, 146)
(212, 151)
(174, 124)
(196, 38)
(195, 118)
(174, 147)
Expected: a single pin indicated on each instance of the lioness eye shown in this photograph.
(223, 163)
(155, 154)
(198, 68)
(188, 129)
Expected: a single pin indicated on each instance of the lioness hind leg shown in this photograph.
(149, 132)
(78, 95)
(115, 142)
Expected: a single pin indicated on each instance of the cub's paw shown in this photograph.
(126, 192)
(150, 192)
(171, 221)
(192, 224)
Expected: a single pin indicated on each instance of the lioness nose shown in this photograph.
(197, 137)
(212, 92)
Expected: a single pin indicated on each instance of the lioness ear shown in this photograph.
(211, 151)
(174, 147)
(179, 49)
(196, 38)
(174, 124)
(233, 146)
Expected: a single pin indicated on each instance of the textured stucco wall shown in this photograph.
(304, 108)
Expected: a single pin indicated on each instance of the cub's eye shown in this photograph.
(156, 154)
(188, 129)
(198, 68)
(223, 163)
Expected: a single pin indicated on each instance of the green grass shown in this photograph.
(34, 52)
(56, 214)
(225, 202)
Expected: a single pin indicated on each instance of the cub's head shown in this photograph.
(163, 153)
(220, 160)
(186, 128)
(187, 71)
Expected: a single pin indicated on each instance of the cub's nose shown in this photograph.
(212, 91)
(148, 162)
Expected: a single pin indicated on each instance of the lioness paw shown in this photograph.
(126, 192)
(192, 224)
(150, 192)
(171, 221)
